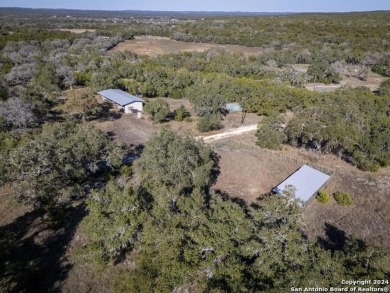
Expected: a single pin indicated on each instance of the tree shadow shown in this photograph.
(33, 255)
(55, 116)
(215, 170)
(134, 152)
(335, 239)
(226, 196)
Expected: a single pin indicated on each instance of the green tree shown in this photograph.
(114, 221)
(209, 123)
(270, 133)
(158, 110)
(175, 163)
(45, 78)
(50, 170)
(321, 71)
(384, 88)
(383, 66)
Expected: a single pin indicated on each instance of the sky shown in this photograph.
(208, 5)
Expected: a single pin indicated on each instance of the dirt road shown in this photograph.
(229, 133)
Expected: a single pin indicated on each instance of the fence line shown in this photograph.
(254, 148)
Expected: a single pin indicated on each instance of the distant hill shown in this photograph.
(127, 13)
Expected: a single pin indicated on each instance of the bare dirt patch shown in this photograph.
(248, 171)
(77, 30)
(129, 129)
(229, 133)
(153, 46)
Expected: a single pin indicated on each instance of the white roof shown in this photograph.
(120, 97)
(306, 180)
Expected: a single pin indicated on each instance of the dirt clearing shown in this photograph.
(247, 172)
(229, 133)
(129, 129)
(77, 30)
(373, 80)
(153, 46)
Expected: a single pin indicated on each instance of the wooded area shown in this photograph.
(156, 224)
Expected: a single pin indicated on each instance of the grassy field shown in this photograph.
(153, 46)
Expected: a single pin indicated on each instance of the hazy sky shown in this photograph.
(208, 5)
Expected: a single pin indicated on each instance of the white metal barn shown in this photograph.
(306, 181)
(123, 100)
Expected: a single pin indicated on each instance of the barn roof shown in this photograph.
(306, 180)
(120, 97)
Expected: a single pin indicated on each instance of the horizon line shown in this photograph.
(199, 11)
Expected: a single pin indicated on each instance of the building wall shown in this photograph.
(134, 105)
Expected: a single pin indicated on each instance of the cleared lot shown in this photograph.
(153, 46)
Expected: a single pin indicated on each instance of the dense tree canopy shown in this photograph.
(343, 126)
(182, 237)
(15, 113)
(52, 168)
(175, 163)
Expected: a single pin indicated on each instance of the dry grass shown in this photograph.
(248, 174)
(129, 130)
(10, 209)
(153, 46)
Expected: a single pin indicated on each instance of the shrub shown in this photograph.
(322, 71)
(126, 170)
(209, 122)
(181, 113)
(384, 88)
(383, 67)
(270, 133)
(343, 198)
(323, 196)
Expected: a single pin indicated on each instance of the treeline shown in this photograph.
(355, 37)
(342, 31)
(36, 35)
(36, 72)
(351, 123)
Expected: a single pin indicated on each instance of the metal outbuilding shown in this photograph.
(306, 181)
(233, 107)
(124, 100)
